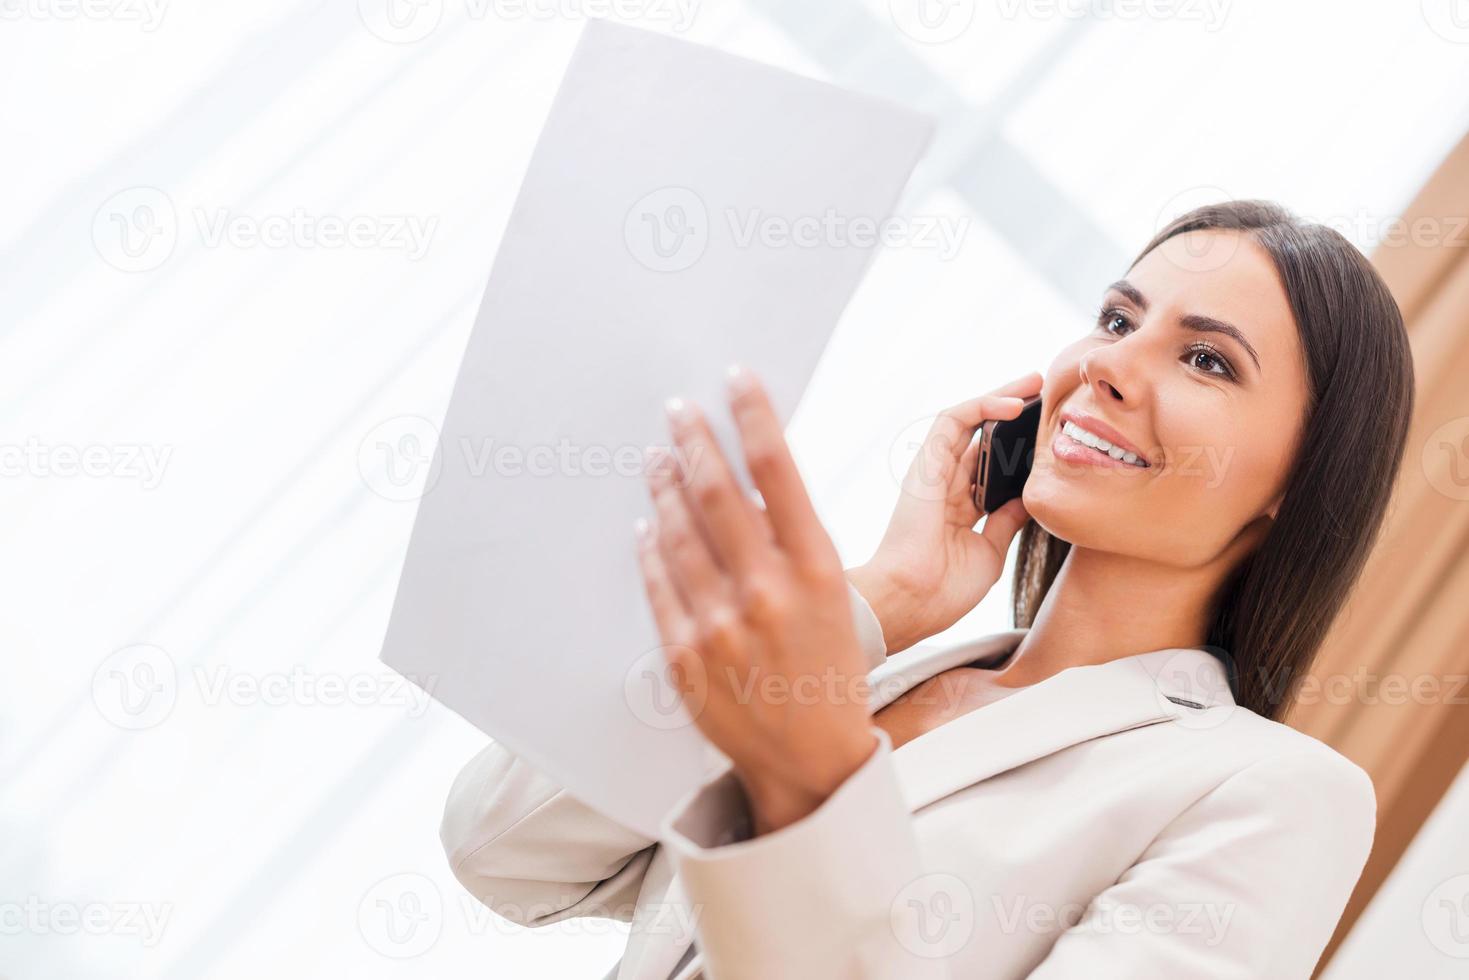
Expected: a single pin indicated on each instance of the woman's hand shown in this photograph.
(932, 567)
(753, 609)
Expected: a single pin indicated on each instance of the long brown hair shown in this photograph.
(1274, 610)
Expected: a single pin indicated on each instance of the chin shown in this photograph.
(1046, 501)
(1072, 511)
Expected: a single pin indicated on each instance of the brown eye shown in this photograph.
(1211, 360)
(1107, 319)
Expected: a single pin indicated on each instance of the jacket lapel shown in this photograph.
(1080, 703)
(1073, 706)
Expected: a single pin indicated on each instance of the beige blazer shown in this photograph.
(1124, 820)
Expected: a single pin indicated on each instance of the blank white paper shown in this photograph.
(683, 209)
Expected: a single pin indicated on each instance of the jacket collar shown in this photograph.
(1183, 685)
(1176, 684)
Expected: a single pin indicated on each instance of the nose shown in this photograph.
(1103, 371)
(1123, 369)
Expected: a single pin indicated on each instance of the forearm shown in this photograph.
(894, 606)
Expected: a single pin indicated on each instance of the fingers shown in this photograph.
(792, 516)
(710, 491)
(1001, 526)
(961, 485)
(951, 437)
(956, 425)
(934, 471)
(675, 624)
(759, 518)
(1022, 387)
(685, 553)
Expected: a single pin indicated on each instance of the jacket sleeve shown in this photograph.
(1248, 882)
(869, 630)
(1271, 855)
(823, 898)
(535, 854)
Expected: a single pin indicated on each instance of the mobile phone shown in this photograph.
(1006, 453)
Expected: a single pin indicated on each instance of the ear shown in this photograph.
(1274, 507)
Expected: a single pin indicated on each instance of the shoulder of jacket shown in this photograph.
(1296, 764)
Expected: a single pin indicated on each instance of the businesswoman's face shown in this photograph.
(1194, 359)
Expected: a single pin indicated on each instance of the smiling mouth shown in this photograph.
(1073, 434)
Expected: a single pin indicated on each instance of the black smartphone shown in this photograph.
(1006, 452)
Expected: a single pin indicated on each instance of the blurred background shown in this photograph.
(204, 770)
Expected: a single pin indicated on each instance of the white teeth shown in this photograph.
(1097, 442)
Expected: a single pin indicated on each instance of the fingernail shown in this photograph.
(678, 410)
(739, 379)
(640, 528)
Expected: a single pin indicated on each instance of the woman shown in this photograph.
(1105, 790)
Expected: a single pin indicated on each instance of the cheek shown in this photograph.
(1062, 378)
(1234, 473)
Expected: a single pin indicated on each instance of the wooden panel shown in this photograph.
(1409, 615)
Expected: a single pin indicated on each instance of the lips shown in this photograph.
(1099, 428)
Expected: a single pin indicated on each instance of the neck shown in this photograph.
(1105, 606)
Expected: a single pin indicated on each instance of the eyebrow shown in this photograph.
(1192, 321)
